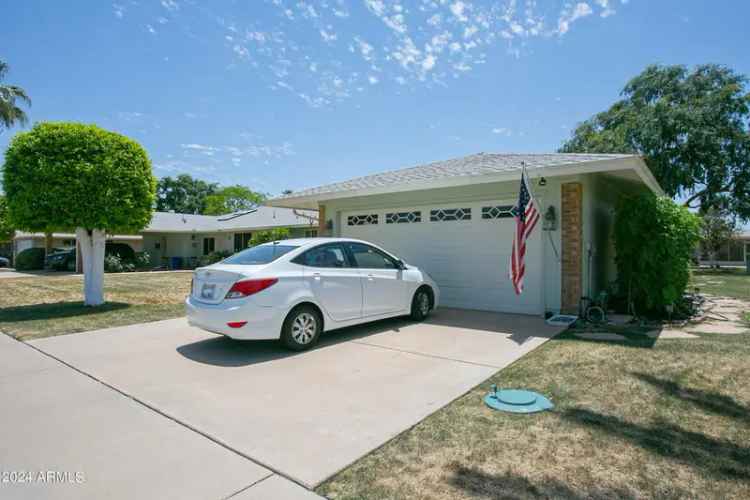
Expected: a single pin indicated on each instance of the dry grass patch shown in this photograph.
(52, 305)
(633, 419)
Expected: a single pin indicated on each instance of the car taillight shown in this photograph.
(249, 287)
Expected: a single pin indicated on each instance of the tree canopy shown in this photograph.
(691, 126)
(183, 194)
(10, 98)
(69, 175)
(232, 199)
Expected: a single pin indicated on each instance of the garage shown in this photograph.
(453, 219)
(465, 247)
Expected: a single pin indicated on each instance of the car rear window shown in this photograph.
(261, 254)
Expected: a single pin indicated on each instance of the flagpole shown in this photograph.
(540, 206)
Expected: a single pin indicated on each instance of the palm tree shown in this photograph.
(10, 113)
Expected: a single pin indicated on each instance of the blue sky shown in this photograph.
(286, 94)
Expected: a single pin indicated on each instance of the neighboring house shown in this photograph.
(179, 240)
(453, 219)
(733, 253)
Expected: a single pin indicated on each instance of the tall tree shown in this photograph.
(183, 194)
(10, 95)
(232, 199)
(691, 126)
(6, 230)
(70, 175)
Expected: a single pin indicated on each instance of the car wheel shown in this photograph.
(301, 328)
(420, 305)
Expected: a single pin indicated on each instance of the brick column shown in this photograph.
(322, 230)
(571, 222)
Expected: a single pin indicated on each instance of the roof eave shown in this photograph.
(635, 163)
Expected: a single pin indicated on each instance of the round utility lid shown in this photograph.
(517, 401)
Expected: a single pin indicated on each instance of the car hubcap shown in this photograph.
(424, 303)
(304, 328)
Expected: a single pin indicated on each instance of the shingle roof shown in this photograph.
(260, 218)
(473, 165)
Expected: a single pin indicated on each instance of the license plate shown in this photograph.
(207, 292)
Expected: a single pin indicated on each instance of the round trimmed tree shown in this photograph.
(60, 176)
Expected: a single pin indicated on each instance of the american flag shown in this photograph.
(526, 216)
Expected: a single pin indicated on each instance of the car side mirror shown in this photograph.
(401, 264)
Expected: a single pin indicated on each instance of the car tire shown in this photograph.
(301, 328)
(420, 305)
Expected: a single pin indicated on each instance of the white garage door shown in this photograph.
(465, 247)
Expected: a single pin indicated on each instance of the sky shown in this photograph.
(287, 94)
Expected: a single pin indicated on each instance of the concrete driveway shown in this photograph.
(302, 416)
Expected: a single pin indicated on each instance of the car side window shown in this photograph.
(368, 257)
(330, 256)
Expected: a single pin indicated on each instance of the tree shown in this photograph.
(6, 230)
(232, 199)
(183, 194)
(10, 112)
(691, 126)
(59, 176)
(260, 237)
(716, 231)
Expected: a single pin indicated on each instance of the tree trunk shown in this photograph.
(47, 244)
(92, 242)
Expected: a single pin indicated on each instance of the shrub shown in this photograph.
(142, 260)
(113, 264)
(30, 259)
(213, 257)
(261, 237)
(654, 242)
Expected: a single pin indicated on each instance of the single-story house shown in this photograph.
(187, 237)
(453, 219)
(734, 252)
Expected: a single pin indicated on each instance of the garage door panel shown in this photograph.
(468, 259)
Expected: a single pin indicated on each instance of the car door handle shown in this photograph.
(316, 276)
(370, 277)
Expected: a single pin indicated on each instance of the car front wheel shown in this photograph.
(301, 328)
(420, 305)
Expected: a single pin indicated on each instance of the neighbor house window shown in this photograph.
(209, 244)
(241, 241)
(450, 214)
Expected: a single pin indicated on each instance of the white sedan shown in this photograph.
(296, 289)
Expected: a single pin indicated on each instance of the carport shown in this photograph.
(303, 415)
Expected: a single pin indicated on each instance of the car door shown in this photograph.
(336, 284)
(384, 290)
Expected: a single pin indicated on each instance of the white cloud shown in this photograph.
(502, 131)
(458, 9)
(570, 15)
(170, 5)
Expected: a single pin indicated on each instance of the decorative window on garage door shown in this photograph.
(362, 220)
(498, 212)
(403, 217)
(449, 214)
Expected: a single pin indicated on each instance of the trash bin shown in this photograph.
(176, 263)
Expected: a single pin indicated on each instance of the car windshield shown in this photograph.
(261, 254)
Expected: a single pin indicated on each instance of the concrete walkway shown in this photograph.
(65, 435)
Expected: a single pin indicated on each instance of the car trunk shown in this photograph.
(211, 284)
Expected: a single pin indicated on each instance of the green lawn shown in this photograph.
(52, 305)
(727, 282)
(634, 419)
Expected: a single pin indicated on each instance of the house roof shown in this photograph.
(477, 168)
(250, 220)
